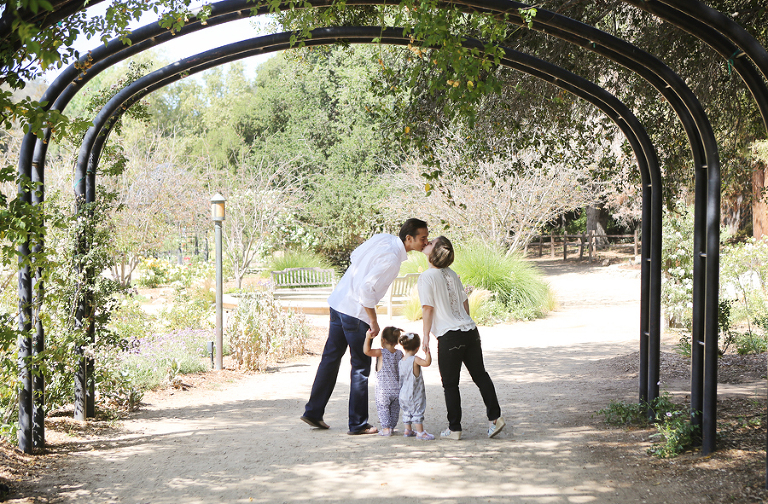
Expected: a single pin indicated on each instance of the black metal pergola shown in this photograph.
(748, 58)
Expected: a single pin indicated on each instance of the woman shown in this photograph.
(445, 310)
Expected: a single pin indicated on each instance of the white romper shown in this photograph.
(413, 397)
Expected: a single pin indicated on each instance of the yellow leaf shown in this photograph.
(407, 129)
(427, 187)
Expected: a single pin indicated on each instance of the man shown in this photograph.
(374, 265)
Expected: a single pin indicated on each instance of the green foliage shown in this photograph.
(675, 433)
(677, 267)
(260, 331)
(193, 307)
(297, 259)
(621, 413)
(416, 263)
(514, 282)
(743, 281)
(157, 358)
(485, 309)
(412, 309)
(154, 272)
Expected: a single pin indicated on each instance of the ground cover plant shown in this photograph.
(675, 433)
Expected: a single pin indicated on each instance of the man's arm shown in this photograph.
(374, 321)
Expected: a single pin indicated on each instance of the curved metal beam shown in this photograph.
(692, 18)
(615, 49)
(617, 111)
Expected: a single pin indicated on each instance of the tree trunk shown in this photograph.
(597, 221)
(759, 202)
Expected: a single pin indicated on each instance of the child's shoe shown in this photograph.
(424, 436)
(449, 434)
(495, 428)
(409, 433)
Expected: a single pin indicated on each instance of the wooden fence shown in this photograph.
(583, 241)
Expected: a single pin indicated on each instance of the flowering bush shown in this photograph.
(677, 267)
(150, 360)
(743, 277)
(154, 272)
(260, 331)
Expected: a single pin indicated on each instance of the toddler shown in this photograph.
(413, 397)
(387, 379)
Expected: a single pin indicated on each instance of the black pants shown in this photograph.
(453, 349)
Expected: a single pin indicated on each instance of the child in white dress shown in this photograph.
(413, 397)
(387, 378)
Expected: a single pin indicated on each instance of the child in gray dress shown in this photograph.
(387, 377)
(413, 397)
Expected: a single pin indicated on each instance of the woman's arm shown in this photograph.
(427, 315)
(375, 352)
(466, 307)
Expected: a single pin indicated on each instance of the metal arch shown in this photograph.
(550, 30)
(702, 141)
(651, 272)
(728, 27)
(81, 193)
(688, 17)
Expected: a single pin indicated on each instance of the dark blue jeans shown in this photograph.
(344, 331)
(455, 348)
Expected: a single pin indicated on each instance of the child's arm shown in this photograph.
(426, 361)
(376, 352)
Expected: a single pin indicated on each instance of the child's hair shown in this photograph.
(391, 334)
(442, 252)
(410, 341)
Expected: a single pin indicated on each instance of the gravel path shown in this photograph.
(243, 441)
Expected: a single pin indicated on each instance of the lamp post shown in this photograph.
(217, 214)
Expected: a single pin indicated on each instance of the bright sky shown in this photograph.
(188, 45)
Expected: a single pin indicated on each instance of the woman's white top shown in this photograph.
(441, 289)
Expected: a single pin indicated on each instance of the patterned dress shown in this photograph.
(388, 389)
(413, 397)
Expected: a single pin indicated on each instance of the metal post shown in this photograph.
(38, 380)
(219, 295)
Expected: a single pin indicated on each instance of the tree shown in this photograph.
(158, 193)
(259, 196)
(504, 199)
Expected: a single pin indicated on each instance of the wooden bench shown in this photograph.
(400, 291)
(303, 282)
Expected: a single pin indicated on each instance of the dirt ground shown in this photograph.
(232, 437)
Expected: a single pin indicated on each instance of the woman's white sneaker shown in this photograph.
(495, 428)
(449, 434)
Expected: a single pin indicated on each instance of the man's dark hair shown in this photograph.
(411, 227)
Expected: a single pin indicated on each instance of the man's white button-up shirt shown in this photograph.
(373, 267)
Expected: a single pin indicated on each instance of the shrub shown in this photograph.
(675, 433)
(154, 272)
(485, 309)
(260, 331)
(297, 259)
(515, 283)
(412, 309)
(416, 263)
(743, 277)
(192, 307)
(160, 357)
(677, 267)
